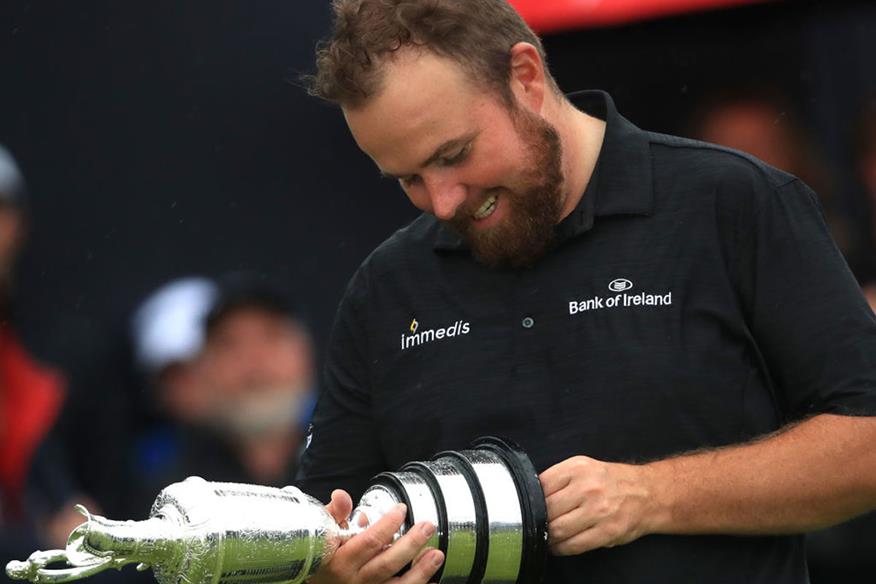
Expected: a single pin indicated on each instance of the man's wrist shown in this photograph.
(658, 480)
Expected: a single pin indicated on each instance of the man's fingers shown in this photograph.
(362, 548)
(554, 479)
(568, 526)
(585, 541)
(371, 541)
(424, 568)
(340, 506)
(561, 502)
(402, 552)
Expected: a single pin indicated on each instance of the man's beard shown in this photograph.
(526, 233)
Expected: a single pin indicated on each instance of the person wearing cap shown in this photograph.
(168, 336)
(233, 367)
(664, 325)
(258, 367)
(13, 223)
(167, 332)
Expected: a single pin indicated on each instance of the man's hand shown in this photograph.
(366, 559)
(764, 487)
(593, 504)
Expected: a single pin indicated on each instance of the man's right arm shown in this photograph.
(343, 452)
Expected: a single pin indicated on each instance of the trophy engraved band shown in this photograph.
(486, 503)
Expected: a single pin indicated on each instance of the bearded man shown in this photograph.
(664, 325)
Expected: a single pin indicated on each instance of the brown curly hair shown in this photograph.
(477, 34)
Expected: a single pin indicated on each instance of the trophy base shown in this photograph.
(488, 508)
(532, 500)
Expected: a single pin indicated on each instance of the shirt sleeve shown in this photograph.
(814, 329)
(342, 450)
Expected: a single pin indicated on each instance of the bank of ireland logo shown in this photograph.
(620, 297)
(620, 285)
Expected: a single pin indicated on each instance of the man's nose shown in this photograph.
(445, 195)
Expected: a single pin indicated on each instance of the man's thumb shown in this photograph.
(340, 506)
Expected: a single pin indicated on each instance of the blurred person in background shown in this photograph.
(31, 399)
(259, 372)
(42, 413)
(168, 336)
(865, 157)
(845, 553)
(236, 378)
(763, 123)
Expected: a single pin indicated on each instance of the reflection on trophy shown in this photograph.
(486, 503)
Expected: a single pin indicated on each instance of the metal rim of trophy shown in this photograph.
(489, 495)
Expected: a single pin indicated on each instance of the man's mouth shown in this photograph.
(487, 208)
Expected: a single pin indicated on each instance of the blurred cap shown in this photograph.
(12, 189)
(247, 290)
(168, 327)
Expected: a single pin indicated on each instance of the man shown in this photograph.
(31, 394)
(845, 553)
(233, 369)
(257, 370)
(168, 336)
(665, 326)
(167, 333)
(865, 159)
(762, 122)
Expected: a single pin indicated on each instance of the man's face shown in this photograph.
(492, 174)
(251, 349)
(257, 368)
(754, 127)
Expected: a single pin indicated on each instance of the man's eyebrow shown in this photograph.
(442, 150)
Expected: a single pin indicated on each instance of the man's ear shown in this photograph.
(527, 79)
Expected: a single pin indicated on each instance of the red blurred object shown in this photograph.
(31, 396)
(555, 15)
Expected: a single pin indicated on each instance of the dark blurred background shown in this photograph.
(164, 139)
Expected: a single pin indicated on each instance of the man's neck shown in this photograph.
(582, 136)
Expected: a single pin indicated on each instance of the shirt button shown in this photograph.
(528, 322)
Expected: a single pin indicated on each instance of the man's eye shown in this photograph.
(410, 180)
(458, 157)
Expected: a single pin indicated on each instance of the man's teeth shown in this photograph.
(487, 208)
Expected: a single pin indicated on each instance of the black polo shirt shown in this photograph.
(694, 299)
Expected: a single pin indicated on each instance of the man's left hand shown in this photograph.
(593, 504)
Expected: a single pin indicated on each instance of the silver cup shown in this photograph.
(486, 503)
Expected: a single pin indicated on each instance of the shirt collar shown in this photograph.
(622, 179)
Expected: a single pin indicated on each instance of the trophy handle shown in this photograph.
(34, 568)
(81, 560)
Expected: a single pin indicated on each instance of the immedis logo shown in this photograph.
(415, 339)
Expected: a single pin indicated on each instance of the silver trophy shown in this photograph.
(486, 504)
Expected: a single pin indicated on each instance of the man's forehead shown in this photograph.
(424, 102)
